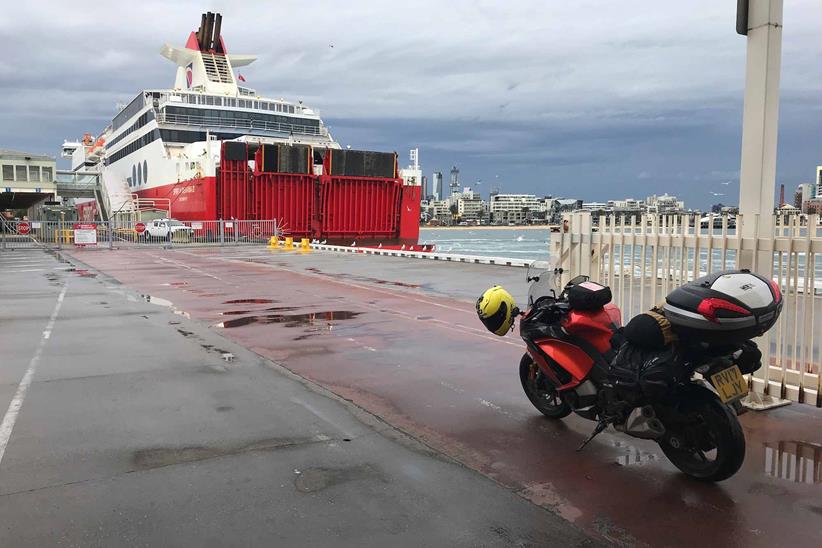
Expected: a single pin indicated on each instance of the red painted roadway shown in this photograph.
(425, 365)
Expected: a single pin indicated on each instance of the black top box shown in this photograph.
(724, 308)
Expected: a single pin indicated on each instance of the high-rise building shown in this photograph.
(424, 194)
(515, 208)
(455, 179)
(436, 185)
(804, 193)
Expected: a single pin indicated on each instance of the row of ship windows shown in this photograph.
(34, 174)
(133, 147)
(144, 118)
(228, 116)
(180, 136)
(168, 136)
(216, 100)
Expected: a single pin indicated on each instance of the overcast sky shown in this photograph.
(588, 99)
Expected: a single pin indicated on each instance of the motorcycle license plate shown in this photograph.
(730, 384)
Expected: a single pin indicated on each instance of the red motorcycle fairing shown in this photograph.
(571, 358)
(594, 326)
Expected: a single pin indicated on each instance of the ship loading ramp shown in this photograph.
(333, 195)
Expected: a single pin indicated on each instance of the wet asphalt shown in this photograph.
(400, 339)
(143, 426)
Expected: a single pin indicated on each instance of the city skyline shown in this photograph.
(599, 103)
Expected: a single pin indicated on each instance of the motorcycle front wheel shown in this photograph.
(703, 437)
(539, 390)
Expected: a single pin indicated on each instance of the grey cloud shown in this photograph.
(593, 92)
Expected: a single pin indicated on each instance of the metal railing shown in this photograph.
(216, 123)
(643, 258)
(131, 233)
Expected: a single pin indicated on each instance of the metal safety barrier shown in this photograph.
(134, 234)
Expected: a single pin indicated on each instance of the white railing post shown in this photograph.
(583, 232)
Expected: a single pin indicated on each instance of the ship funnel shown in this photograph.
(208, 35)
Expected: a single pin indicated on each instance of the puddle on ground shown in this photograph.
(362, 278)
(272, 309)
(317, 479)
(156, 457)
(156, 300)
(293, 320)
(633, 456)
(795, 461)
(249, 301)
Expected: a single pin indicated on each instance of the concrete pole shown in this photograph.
(757, 176)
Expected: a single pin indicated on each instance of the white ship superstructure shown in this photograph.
(165, 144)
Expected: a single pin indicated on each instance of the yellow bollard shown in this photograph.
(289, 242)
(274, 242)
(305, 244)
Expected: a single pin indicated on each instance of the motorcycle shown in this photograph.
(673, 375)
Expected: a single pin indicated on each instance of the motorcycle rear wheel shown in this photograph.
(705, 441)
(539, 391)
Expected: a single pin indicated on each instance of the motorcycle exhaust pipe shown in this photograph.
(643, 423)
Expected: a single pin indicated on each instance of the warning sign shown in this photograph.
(85, 234)
(23, 228)
(139, 228)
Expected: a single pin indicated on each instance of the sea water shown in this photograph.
(513, 243)
(533, 244)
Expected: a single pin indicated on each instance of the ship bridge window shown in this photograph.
(34, 174)
(21, 173)
(8, 173)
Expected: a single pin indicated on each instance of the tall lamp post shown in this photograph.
(761, 22)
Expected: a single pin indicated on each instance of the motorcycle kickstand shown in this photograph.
(601, 425)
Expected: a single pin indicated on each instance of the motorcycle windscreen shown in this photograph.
(544, 279)
(571, 358)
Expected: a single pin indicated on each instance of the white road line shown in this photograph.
(17, 401)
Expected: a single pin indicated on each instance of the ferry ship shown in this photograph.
(212, 148)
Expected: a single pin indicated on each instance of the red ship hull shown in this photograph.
(340, 210)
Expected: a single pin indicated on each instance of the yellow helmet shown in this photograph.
(496, 309)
